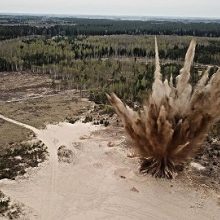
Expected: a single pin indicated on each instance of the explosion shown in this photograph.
(174, 120)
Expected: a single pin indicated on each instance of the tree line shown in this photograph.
(83, 26)
(39, 52)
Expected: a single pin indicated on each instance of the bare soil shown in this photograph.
(102, 181)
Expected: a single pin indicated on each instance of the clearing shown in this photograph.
(102, 182)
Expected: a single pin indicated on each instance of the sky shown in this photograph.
(167, 8)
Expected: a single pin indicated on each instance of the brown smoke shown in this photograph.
(175, 120)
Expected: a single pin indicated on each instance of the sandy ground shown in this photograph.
(101, 183)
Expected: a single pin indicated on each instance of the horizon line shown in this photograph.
(109, 15)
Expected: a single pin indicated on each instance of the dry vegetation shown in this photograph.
(38, 112)
(28, 98)
(10, 134)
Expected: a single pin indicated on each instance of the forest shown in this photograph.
(104, 55)
(99, 64)
(17, 26)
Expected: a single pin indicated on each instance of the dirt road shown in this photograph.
(101, 183)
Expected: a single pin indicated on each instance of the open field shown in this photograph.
(39, 112)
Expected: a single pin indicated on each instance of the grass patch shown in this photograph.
(39, 112)
(11, 133)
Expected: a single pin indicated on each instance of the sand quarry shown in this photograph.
(101, 182)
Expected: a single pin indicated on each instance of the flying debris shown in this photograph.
(174, 121)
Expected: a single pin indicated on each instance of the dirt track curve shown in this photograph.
(101, 183)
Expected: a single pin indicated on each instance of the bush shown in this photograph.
(108, 110)
(9, 209)
(87, 119)
(72, 120)
(16, 159)
(99, 97)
